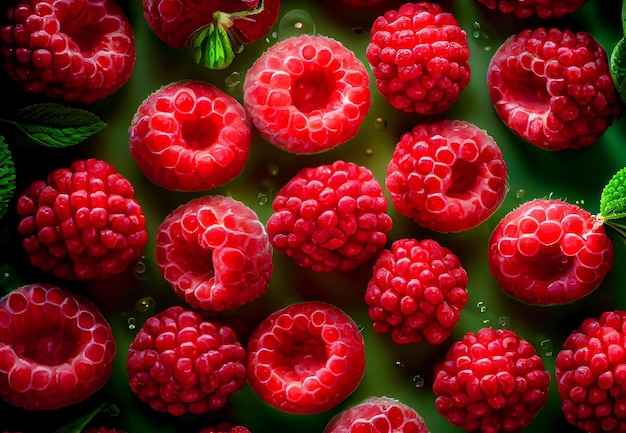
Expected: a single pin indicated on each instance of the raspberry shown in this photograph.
(56, 348)
(307, 94)
(225, 427)
(419, 57)
(591, 374)
(215, 253)
(447, 176)
(331, 217)
(549, 252)
(306, 358)
(553, 88)
(417, 290)
(544, 9)
(377, 414)
(76, 50)
(103, 430)
(190, 136)
(492, 381)
(83, 222)
(181, 363)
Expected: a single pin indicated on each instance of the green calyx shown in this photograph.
(617, 59)
(613, 203)
(214, 46)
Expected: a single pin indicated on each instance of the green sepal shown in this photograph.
(7, 177)
(54, 125)
(211, 47)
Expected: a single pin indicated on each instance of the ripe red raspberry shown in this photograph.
(491, 381)
(417, 291)
(225, 427)
(190, 136)
(377, 414)
(591, 374)
(215, 253)
(447, 176)
(544, 9)
(56, 348)
(553, 88)
(549, 252)
(330, 217)
(307, 94)
(83, 222)
(77, 50)
(306, 358)
(419, 57)
(103, 430)
(179, 363)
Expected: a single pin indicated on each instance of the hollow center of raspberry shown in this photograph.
(303, 355)
(311, 91)
(47, 345)
(465, 174)
(529, 91)
(549, 265)
(86, 29)
(199, 133)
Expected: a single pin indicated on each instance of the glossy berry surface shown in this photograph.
(181, 363)
(330, 217)
(306, 358)
(553, 88)
(56, 348)
(419, 56)
(491, 381)
(549, 252)
(417, 291)
(591, 374)
(543, 9)
(215, 253)
(307, 94)
(447, 176)
(377, 415)
(225, 427)
(190, 136)
(83, 222)
(77, 50)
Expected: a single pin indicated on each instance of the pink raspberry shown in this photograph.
(82, 222)
(544, 9)
(549, 252)
(181, 363)
(77, 50)
(56, 348)
(419, 57)
(591, 374)
(330, 217)
(553, 88)
(492, 381)
(447, 176)
(307, 94)
(306, 358)
(215, 253)
(190, 136)
(377, 414)
(417, 291)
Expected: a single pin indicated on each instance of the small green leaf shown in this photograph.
(78, 425)
(617, 59)
(7, 177)
(54, 125)
(613, 198)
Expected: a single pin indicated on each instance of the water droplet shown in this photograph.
(481, 306)
(131, 323)
(547, 347)
(233, 80)
(419, 381)
(7, 275)
(399, 363)
(504, 321)
(476, 34)
(296, 22)
(520, 193)
(262, 198)
(380, 123)
(369, 152)
(476, 25)
(145, 304)
(361, 328)
(139, 271)
(357, 30)
(273, 169)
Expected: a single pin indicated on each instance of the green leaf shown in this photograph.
(617, 59)
(55, 125)
(7, 177)
(78, 425)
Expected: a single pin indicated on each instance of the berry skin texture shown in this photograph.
(215, 253)
(417, 291)
(549, 252)
(306, 358)
(535, 8)
(48, 49)
(225, 427)
(82, 223)
(330, 217)
(491, 381)
(377, 414)
(447, 176)
(307, 94)
(181, 363)
(190, 136)
(553, 88)
(591, 375)
(56, 348)
(419, 57)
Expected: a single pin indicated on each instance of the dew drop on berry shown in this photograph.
(296, 22)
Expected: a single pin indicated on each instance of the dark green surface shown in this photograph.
(402, 372)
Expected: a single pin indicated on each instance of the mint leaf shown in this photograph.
(55, 125)
(613, 198)
(7, 177)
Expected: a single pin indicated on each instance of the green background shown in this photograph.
(402, 372)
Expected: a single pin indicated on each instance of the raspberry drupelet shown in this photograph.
(544, 9)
